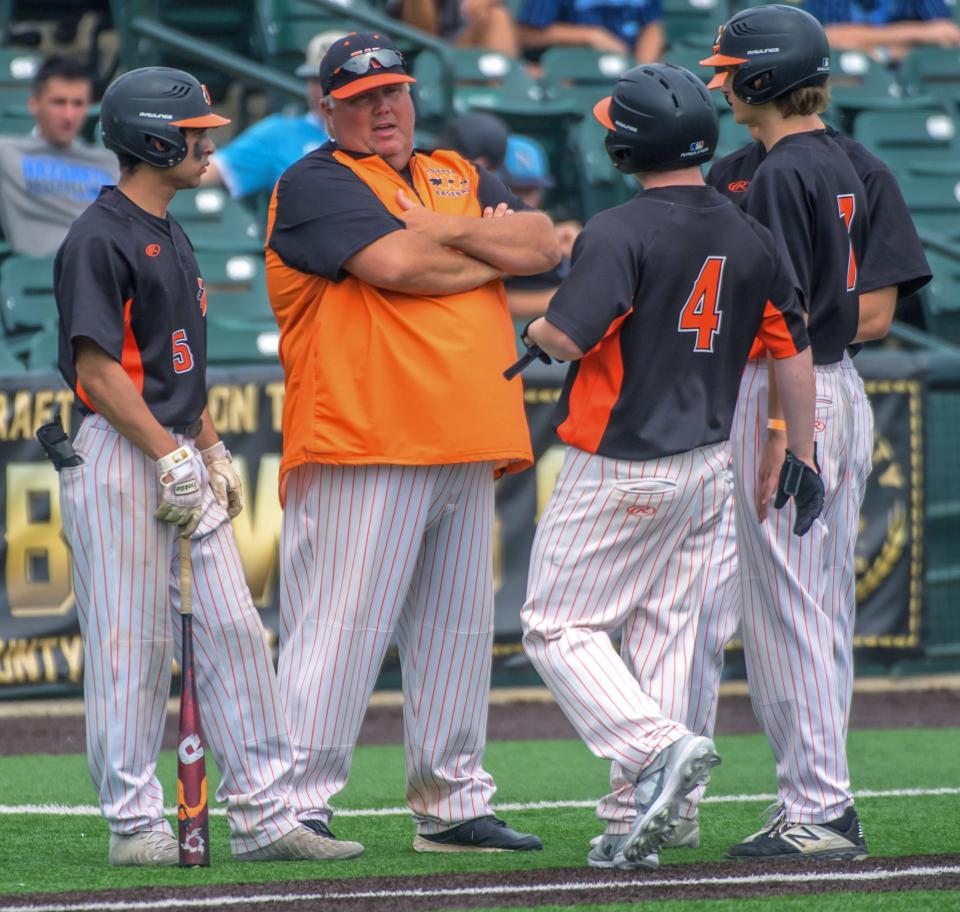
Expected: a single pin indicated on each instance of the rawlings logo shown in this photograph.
(190, 749)
(642, 510)
(738, 186)
(152, 250)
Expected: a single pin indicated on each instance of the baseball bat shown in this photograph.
(528, 357)
(193, 830)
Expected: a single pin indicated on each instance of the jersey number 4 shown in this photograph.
(700, 313)
(847, 204)
(182, 356)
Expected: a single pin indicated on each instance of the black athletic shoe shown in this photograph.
(318, 827)
(836, 840)
(483, 834)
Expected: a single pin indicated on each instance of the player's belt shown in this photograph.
(188, 430)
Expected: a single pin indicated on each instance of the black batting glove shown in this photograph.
(804, 485)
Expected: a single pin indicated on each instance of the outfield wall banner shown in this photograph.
(40, 647)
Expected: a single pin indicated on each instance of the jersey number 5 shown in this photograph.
(182, 356)
(700, 313)
(847, 204)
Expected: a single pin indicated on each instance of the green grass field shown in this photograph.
(55, 852)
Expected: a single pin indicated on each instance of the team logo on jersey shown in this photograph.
(201, 296)
(819, 426)
(446, 182)
(645, 510)
(152, 250)
(738, 186)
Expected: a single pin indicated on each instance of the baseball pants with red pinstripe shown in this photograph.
(366, 552)
(126, 578)
(623, 546)
(796, 596)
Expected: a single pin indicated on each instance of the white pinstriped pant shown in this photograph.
(623, 544)
(366, 551)
(126, 575)
(798, 598)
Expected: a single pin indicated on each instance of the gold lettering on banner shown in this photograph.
(28, 539)
(234, 409)
(20, 420)
(30, 661)
(275, 391)
(257, 528)
(72, 649)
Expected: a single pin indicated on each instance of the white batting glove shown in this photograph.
(223, 479)
(180, 494)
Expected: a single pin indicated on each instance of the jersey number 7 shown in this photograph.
(700, 313)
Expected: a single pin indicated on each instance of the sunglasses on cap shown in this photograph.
(378, 58)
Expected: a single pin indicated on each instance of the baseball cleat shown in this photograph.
(606, 851)
(676, 771)
(482, 834)
(146, 848)
(837, 840)
(303, 844)
(318, 827)
(686, 834)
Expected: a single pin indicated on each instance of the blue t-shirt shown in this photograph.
(625, 18)
(254, 161)
(876, 12)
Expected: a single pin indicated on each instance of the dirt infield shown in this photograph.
(563, 886)
(522, 721)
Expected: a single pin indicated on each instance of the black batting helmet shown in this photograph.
(155, 103)
(775, 50)
(660, 116)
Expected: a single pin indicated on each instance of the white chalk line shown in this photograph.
(89, 810)
(186, 902)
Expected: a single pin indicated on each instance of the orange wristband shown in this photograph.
(776, 424)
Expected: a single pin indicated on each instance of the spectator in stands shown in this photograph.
(887, 29)
(630, 27)
(254, 160)
(478, 136)
(527, 174)
(464, 23)
(49, 177)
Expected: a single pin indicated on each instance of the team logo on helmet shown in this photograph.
(206, 94)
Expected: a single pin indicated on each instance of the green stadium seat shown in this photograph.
(694, 21)
(934, 72)
(236, 289)
(941, 298)
(580, 74)
(41, 350)
(17, 69)
(10, 364)
(933, 200)
(241, 345)
(918, 142)
(860, 83)
(215, 221)
(600, 184)
(26, 294)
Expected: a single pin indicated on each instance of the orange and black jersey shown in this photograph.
(129, 281)
(807, 192)
(666, 294)
(893, 255)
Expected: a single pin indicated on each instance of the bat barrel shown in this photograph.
(192, 823)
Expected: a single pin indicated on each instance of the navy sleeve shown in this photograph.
(324, 215)
(602, 282)
(92, 282)
(492, 191)
(893, 254)
(778, 200)
(539, 13)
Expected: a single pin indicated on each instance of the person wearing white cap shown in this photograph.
(254, 160)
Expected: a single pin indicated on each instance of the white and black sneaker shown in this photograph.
(676, 771)
(606, 851)
(836, 840)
